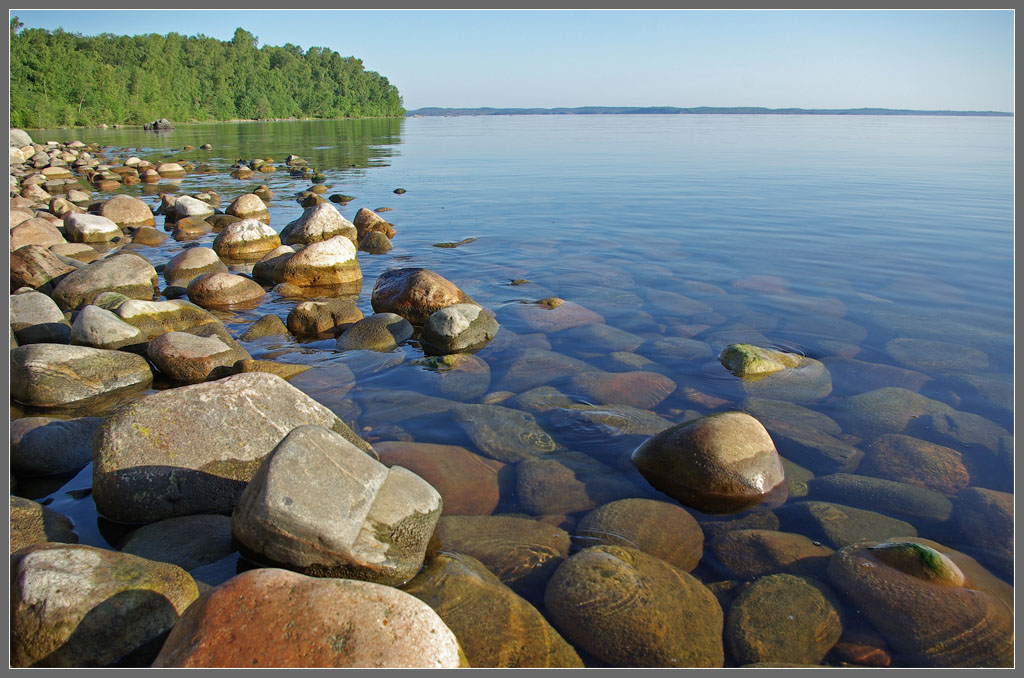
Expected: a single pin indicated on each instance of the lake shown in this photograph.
(879, 246)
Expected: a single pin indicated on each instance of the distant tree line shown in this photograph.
(60, 78)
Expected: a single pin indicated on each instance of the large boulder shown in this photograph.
(319, 222)
(125, 274)
(720, 463)
(414, 294)
(275, 618)
(79, 606)
(147, 466)
(57, 375)
(374, 526)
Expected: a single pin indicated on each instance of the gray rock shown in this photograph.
(564, 482)
(154, 318)
(125, 274)
(909, 502)
(35, 318)
(884, 410)
(378, 332)
(191, 359)
(317, 223)
(234, 423)
(41, 446)
(188, 542)
(99, 328)
(504, 434)
(456, 328)
(837, 526)
(20, 137)
(375, 526)
(185, 206)
(88, 228)
(52, 375)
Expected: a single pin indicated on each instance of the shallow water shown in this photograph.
(825, 236)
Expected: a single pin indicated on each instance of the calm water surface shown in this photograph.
(828, 236)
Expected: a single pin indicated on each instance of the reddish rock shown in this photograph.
(643, 390)
(34, 266)
(415, 293)
(547, 315)
(915, 462)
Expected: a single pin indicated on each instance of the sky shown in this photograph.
(923, 60)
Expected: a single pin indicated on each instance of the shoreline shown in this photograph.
(207, 122)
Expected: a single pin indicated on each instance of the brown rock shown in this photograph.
(34, 266)
(752, 553)
(32, 523)
(643, 390)
(655, 527)
(914, 461)
(414, 293)
(225, 290)
(127, 212)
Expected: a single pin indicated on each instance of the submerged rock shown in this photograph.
(502, 433)
(654, 527)
(563, 482)
(749, 554)
(917, 462)
(837, 526)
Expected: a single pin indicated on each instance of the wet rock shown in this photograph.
(884, 410)
(248, 239)
(814, 449)
(32, 523)
(654, 527)
(35, 318)
(468, 483)
(319, 222)
(378, 332)
(777, 375)
(837, 526)
(414, 294)
(367, 221)
(595, 339)
(277, 618)
(184, 267)
(628, 608)
(125, 274)
(983, 520)
(643, 390)
(502, 433)
(458, 376)
(375, 527)
(234, 423)
(917, 462)
(283, 370)
(929, 610)
(191, 228)
(86, 228)
(745, 360)
(535, 367)
(456, 328)
(933, 357)
(495, 627)
(190, 359)
(375, 242)
(154, 318)
(770, 412)
(248, 206)
(148, 236)
(310, 318)
(80, 606)
(127, 212)
(547, 315)
(675, 350)
(328, 262)
(266, 326)
(850, 376)
(609, 433)
(78, 252)
(563, 482)
(42, 446)
(751, 553)
(264, 269)
(35, 266)
(53, 375)
(540, 399)
(720, 463)
(35, 232)
(782, 618)
(909, 502)
(188, 542)
(224, 291)
(965, 431)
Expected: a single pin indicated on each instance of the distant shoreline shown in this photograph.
(701, 110)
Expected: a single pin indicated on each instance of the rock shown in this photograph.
(248, 239)
(563, 482)
(502, 433)
(782, 618)
(720, 463)
(814, 449)
(654, 527)
(148, 236)
(54, 375)
(221, 221)
(467, 482)
(367, 221)
(125, 274)
(458, 376)
(378, 332)
(547, 315)
(127, 212)
(35, 318)
(495, 627)
(266, 326)
(195, 261)
(79, 606)
(675, 350)
(317, 223)
(41, 446)
(965, 431)
(594, 340)
(777, 375)
(189, 207)
(248, 206)
(927, 607)
(277, 618)
(311, 318)
(628, 608)
(225, 291)
(608, 432)
(884, 410)
(234, 423)
(20, 137)
(457, 328)
(933, 357)
(154, 318)
(749, 554)
(837, 526)
(983, 520)
(917, 462)
(327, 263)
(375, 242)
(264, 269)
(522, 553)
(535, 367)
(79, 252)
(643, 390)
(32, 523)
(540, 399)
(189, 359)
(188, 542)
(375, 527)
(909, 502)
(283, 370)
(86, 228)
(191, 228)
(35, 232)
(770, 412)
(35, 266)
(414, 294)
(745, 360)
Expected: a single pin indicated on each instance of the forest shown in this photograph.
(65, 79)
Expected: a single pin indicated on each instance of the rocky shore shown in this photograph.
(598, 508)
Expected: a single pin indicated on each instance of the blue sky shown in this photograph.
(958, 60)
